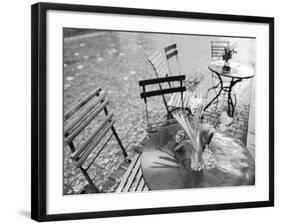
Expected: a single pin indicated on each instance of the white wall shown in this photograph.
(15, 110)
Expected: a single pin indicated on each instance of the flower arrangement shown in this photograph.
(228, 53)
(199, 136)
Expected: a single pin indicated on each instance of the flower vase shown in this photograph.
(226, 66)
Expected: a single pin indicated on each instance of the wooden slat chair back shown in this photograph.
(162, 69)
(159, 65)
(77, 119)
(162, 92)
(217, 49)
(171, 53)
(172, 57)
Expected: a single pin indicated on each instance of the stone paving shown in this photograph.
(239, 126)
(115, 62)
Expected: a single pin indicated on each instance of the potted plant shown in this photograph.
(228, 53)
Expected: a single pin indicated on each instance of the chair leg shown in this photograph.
(92, 186)
(117, 138)
(125, 154)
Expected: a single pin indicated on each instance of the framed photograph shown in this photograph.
(139, 111)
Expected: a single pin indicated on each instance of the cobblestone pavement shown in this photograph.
(116, 61)
(239, 126)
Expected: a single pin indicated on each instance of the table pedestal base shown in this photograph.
(228, 89)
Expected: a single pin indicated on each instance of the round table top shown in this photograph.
(237, 70)
(163, 170)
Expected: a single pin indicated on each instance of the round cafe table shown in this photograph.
(235, 72)
(164, 170)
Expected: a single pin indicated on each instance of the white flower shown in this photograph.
(180, 136)
(195, 103)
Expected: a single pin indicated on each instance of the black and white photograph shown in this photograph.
(142, 111)
(148, 111)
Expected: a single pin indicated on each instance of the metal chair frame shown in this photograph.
(162, 91)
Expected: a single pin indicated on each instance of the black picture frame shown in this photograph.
(39, 108)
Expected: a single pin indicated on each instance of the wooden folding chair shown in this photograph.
(78, 119)
(133, 179)
(172, 57)
(162, 69)
(159, 65)
(163, 91)
(171, 53)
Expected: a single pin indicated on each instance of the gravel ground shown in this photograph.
(116, 61)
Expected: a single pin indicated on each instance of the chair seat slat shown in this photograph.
(179, 104)
(74, 109)
(186, 99)
(218, 53)
(79, 118)
(217, 49)
(86, 122)
(170, 102)
(145, 188)
(89, 150)
(99, 151)
(161, 71)
(127, 174)
(154, 58)
(160, 63)
(156, 62)
(141, 185)
(175, 100)
(132, 176)
(136, 180)
(219, 46)
(154, 55)
(79, 151)
(220, 42)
